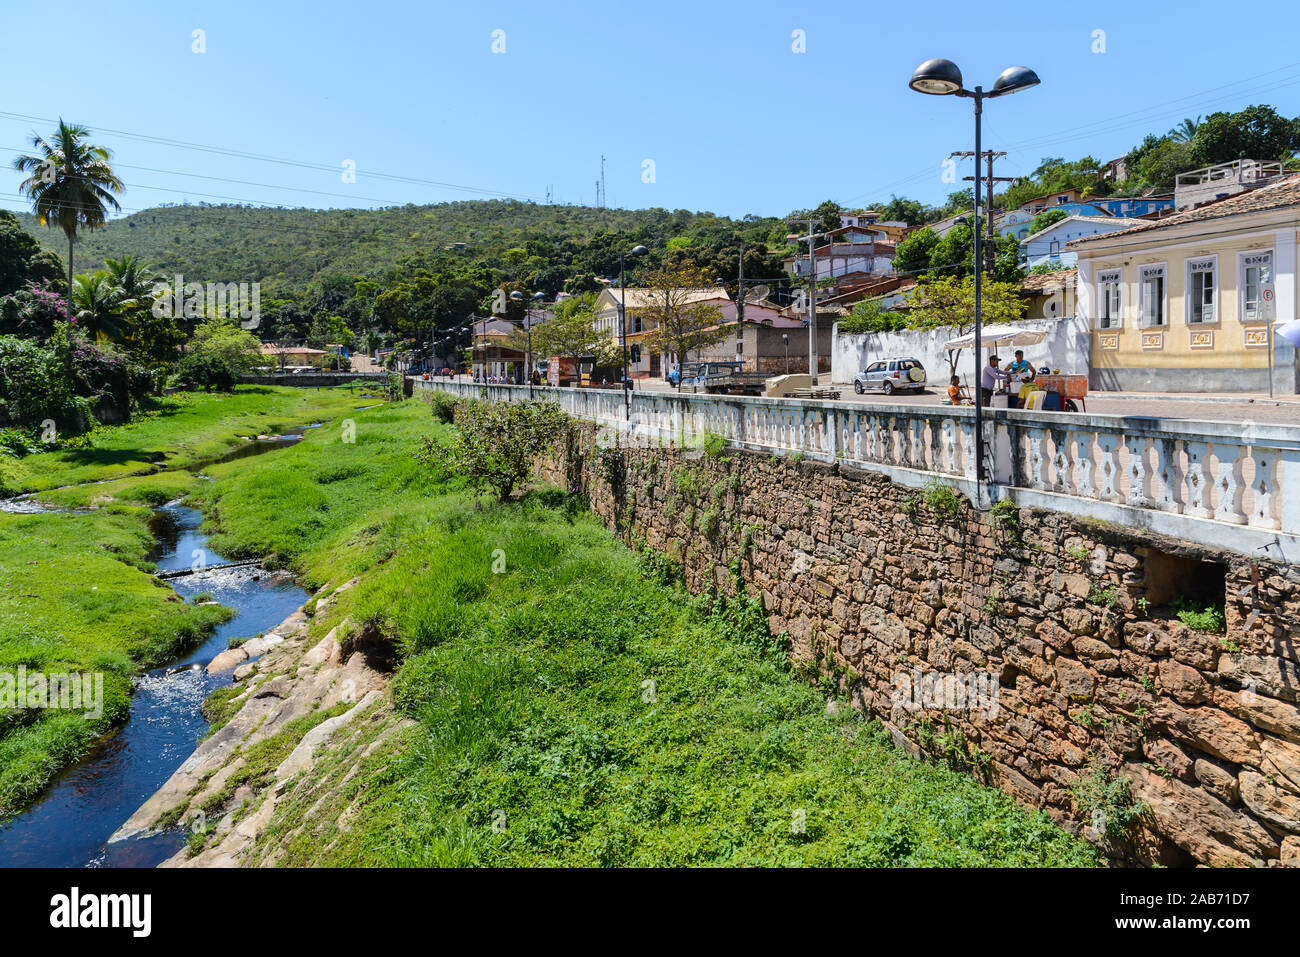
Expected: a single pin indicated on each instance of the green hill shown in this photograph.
(288, 250)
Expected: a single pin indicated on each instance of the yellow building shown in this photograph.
(1185, 303)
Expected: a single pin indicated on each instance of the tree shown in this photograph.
(954, 253)
(912, 255)
(1185, 131)
(908, 211)
(570, 333)
(1047, 217)
(679, 321)
(99, 306)
(497, 443)
(70, 184)
(950, 301)
(237, 348)
(1257, 132)
(17, 249)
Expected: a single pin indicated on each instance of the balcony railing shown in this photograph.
(1217, 483)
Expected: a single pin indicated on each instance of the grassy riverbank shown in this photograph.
(573, 705)
(177, 431)
(76, 593)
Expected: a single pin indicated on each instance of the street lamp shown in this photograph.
(622, 320)
(785, 338)
(518, 296)
(943, 78)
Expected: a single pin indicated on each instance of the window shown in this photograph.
(1054, 248)
(1108, 316)
(1201, 291)
(1256, 280)
(876, 367)
(1151, 295)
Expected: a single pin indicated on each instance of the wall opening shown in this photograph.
(1168, 578)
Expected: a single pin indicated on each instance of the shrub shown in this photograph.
(496, 443)
(443, 405)
(207, 371)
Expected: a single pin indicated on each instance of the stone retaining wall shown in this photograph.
(1097, 687)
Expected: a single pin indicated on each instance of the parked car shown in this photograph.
(890, 376)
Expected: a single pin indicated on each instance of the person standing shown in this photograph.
(989, 380)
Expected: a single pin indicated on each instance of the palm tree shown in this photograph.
(98, 301)
(1185, 131)
(134, 279)
(70, 184)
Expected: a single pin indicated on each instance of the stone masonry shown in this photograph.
(1163, 744)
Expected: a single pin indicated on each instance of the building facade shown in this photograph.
(1188, 303)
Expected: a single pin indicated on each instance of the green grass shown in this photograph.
(181, 429)
(75, 597)
(531, 689)
(76, 593)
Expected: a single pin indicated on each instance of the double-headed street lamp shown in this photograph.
(622, 319)
(518, 296)
(943, 78)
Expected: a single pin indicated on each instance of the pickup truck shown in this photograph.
(718, 378)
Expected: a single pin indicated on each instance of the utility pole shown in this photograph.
(989, 156)
(812, 305)
(740, 309)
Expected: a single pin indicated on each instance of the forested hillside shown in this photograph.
(289, 250)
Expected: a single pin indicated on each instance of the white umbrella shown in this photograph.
(1290, 331)
(999, 335)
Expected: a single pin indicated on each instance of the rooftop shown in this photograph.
(1279, 195)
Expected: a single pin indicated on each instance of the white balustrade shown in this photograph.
(1204, 470)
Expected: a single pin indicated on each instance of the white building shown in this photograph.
(1048, 245)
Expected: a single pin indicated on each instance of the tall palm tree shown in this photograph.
(70, 183)
(99, 302)
(1185, 131)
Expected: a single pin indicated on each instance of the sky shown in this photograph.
(702, 105)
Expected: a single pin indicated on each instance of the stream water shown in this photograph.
(69, 825)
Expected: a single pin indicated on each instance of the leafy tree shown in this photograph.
(950, 301)
(17, 249)
(570, 333)
(33, 311)
(70, 183)
(912, 255)
(207, 371)
(238, 348)
(1257, 132)
(496, 443)
(679, 323)
(954, 253)
(1047, 217)
(909, 211)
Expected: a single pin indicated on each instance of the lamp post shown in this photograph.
(942, 78)
(785, 338)
(622, 322)
(518, 296)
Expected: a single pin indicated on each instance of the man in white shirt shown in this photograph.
(989, 379)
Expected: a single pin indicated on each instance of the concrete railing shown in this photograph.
(1217, 483)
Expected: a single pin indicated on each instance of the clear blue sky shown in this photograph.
(734, 121)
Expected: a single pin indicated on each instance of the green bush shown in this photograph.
(496, 444)
(207, 371)
(443, 405)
